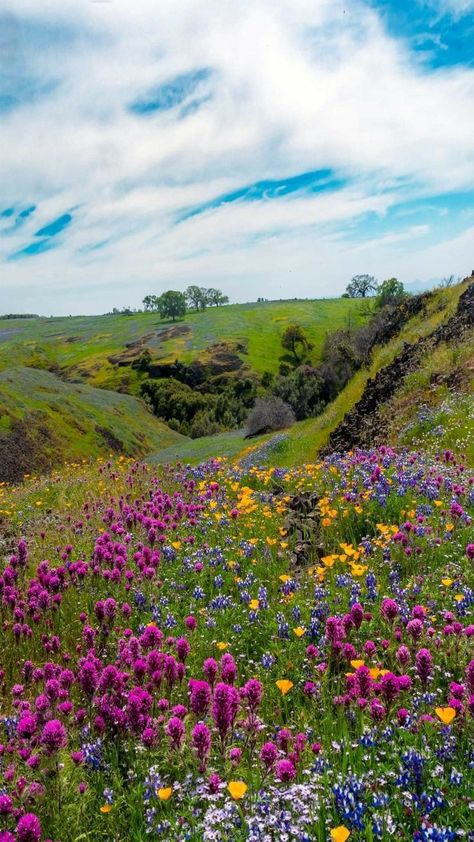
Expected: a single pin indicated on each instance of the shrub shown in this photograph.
(302, 390)
(269, 414)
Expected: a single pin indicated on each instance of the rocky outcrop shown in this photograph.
(361, 425)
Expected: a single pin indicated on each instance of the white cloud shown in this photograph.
(298, 85)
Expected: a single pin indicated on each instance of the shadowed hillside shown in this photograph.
(44, 421)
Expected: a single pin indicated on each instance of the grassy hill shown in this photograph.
(44, 421)
(99, 349)
(67, 420)
(432, 406)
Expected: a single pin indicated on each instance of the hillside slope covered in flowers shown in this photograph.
(228, 653)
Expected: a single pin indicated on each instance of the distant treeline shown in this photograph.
(19, 316)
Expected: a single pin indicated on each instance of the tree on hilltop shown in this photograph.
(361, 286)
(199, 297)
(216, 297)
(196, 297)
(150, 303)
(171, 304)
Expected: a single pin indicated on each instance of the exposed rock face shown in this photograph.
(361, 426)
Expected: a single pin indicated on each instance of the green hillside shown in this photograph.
(432, 407)
(47, 419)
(44, 421)
(99, 349)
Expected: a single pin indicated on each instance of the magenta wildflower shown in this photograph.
(6, 805)
(268, 754)
(252, 692)
(175, 731)
(228, 668)
(214, 782)
(224, 708)
(201, 743)
(235, 756)
(403, 655)
(285, 771)
(377, 710)
(424, 665)
(53, 736)
(357, 614)
(415, 628)
(28, 828)
(210, 669)
(200, 696)
(182, 648)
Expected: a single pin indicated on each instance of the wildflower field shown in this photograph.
(228, 652)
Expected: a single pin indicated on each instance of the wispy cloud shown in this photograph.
(307, 183)
(172, 93)
(281, 136)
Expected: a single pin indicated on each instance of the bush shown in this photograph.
(269, 414)
(302, 390)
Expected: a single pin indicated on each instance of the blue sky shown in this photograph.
(270, 149)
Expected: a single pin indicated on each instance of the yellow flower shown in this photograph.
(357, 664)
(446, 715)
(165, 793)
(253, 604)
(299, 631)
(459, 597)
(237, 789)
(284, 577)
(106, 808)
(284, 685)
(358, 569)
(340, 834)
(222, 645)
(326, 521)
(176, 545)
(374, 673)
(447, 582)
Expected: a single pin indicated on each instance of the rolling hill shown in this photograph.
(45, 421)
(99, 350)
(51, 409)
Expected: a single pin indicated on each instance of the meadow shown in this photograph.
(234, 652)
